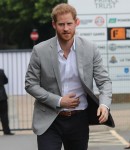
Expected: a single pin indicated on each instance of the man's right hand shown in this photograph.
(69, 101)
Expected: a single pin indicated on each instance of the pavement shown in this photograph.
(101, 137)
(99, 142)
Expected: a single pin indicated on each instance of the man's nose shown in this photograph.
(65, 27)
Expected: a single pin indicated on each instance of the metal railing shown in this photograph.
(20, 103)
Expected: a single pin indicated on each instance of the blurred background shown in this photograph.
(19, 18)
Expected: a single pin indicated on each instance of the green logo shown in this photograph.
(112, 20)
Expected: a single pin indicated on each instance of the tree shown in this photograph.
(18, 18)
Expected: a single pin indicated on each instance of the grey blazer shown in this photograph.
(44, 84)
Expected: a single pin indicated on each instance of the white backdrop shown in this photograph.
(100, 6)
(107, 23)
(15, 66)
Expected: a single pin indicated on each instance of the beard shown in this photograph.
(66, 36)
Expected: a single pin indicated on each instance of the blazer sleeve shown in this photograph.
(32, 83)
(102, 80)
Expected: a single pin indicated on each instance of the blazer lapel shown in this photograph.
(55, 64)
(79, 56)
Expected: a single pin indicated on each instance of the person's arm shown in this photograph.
(68, 101)
(102, 80)
(32, 83)
(104, 85)
(3, 78)
(103, 113)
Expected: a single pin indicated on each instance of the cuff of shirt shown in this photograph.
(105, 106)
(58, 105)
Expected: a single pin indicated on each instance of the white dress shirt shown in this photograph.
(70, 77)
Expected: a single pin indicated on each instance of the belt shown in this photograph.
(69, 113)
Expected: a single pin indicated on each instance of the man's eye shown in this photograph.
(61, 24)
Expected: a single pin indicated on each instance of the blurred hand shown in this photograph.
(103, 113)
(69, 101)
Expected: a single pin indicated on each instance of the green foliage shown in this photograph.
(14, 11)
(44, 8)
(19, 17)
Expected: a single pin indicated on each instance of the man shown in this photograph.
(3, 104)
(60, 72)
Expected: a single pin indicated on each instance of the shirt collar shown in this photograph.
(59, 48)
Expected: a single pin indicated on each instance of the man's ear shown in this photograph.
(53, 24)
(77, 21)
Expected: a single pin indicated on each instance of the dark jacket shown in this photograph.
(3, 80)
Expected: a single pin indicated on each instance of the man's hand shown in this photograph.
(69, 101)
(103, 113)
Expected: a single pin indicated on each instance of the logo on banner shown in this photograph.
(106, 4)
(85, 21)
(112, 47)
(99, 21)
(113, 60)
(126, 70)
(118, 34)
(112, 20)
(128, 33)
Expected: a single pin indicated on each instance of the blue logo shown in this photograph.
(126, 70)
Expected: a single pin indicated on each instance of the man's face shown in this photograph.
(65, 27)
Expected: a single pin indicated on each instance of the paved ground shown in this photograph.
(101, 137)
(103, 140)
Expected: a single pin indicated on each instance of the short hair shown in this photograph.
(61, 9)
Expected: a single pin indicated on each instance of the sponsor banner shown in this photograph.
(92, 21)
(119, 33)
(118, 20)
(102, 46)
(119, 60)
(117, 47)
(121, 86)
(100, 6)
(120, 73)
(107, 23)
(93, 34)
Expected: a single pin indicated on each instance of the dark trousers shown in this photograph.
(72, 131)
(4, 116)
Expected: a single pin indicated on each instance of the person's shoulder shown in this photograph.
(44, 44)
(1, 70)
(86, 43)
(84, 40)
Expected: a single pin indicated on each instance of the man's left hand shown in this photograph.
(103, 113)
